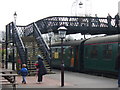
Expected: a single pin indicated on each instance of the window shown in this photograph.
(55, 53)
(94, 52)
(107, 51)
(71, 51)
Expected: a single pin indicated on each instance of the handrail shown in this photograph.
(46, 46)
(41, 42)
(69, 21)
(15, 29)
(19, 44)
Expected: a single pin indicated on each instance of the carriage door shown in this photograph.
(76, 57)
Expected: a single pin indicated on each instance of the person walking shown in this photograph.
(23, 72)
(96, 21)
(41, 69)
(109, 18)
(117, 20)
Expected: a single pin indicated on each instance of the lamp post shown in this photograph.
(80, 4)
(15, 17)
(62, 33)
(3, 41)
(13, 46)
(50, 34)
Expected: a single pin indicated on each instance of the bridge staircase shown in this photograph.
(43, 47)
(18, 42)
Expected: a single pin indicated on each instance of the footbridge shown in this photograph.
(83, 25)
(17, 34)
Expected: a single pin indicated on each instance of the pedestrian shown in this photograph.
(23, 72)
(117, 67)
(109, 18)
(96, 21)
(36, 66)
(41, 69)
(117, 20)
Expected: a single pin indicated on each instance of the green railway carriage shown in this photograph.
(96, 54)
(71, 55)
(100, 54)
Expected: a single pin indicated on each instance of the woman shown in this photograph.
(41, 69)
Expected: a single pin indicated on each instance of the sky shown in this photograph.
(29, 11)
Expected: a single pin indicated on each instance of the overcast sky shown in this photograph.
(29, 11)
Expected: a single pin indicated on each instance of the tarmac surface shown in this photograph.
(72, 80)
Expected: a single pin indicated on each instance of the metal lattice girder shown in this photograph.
(83, 25)
(41, 43)
(14, 35)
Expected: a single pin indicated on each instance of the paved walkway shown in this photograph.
(72, 80)
(47, 82)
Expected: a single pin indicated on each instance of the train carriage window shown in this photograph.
(71, 51)
(56, 53)
(94, 52)
(63, 50)
(107, 51)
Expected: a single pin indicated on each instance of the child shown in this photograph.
(24, 73)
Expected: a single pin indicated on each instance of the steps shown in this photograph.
(44, 49)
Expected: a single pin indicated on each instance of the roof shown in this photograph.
(69, 43)
(104, 39)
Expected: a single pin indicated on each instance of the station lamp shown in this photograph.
(15, 17)
(80, 4)
(62, 33)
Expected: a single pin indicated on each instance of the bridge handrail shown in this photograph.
(73, 21)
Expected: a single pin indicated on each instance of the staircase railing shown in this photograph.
(42, 44)
(19, 44)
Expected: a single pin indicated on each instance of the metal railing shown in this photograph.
(68, 21)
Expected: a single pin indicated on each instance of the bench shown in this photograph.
(8, 83)
(8, 78)
(3, 80)
(6, 71)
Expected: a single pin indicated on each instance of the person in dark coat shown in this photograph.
(41, 69)
(117, 20)
(117, 67)
(109, 18)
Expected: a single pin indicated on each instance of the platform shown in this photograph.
(72, 80)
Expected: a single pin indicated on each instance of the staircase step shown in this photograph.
(50, 72)
(47, 65)
(48, 68)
